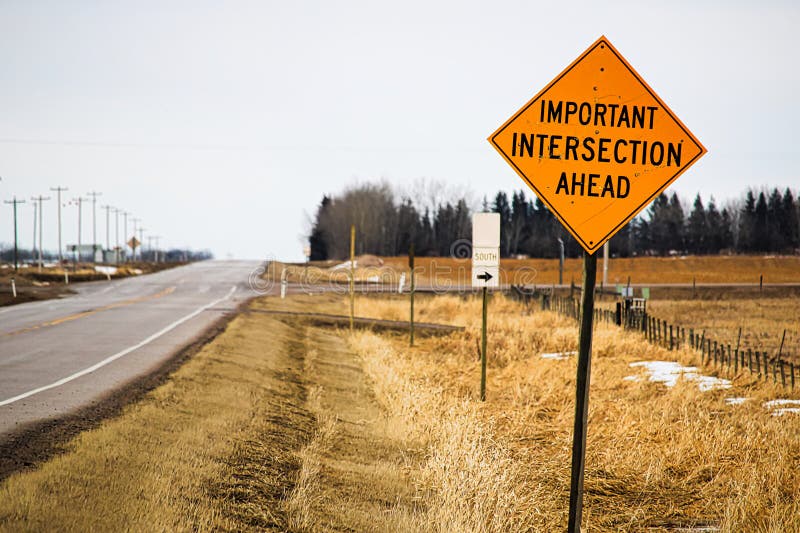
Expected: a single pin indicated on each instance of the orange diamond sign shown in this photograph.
(597, 145)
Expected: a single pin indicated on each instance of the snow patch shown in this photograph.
(109, 270)
(786, 411)
(669, 372)
(777, 403)
(346, 264)
(735, 401)
(557, 356)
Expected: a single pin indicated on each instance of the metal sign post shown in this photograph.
(582, 392)
(352, 274)
(485, 270)
(411, 295)
(596, 145)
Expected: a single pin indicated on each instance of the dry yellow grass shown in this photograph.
(657, 458)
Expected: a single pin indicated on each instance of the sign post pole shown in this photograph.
(485, 270)
(595, 164)
(582, 392)
(352, 273)
(483, 348)
(411, 293)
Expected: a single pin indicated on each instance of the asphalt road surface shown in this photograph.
(59, 355)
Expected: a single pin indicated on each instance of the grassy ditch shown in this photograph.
(659, 458)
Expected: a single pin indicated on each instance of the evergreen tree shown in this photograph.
(790, 220)
(714, 230)
(696, 228)
(761, 233)
(317, 240)
(747, 223)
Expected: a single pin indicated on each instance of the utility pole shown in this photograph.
(156, 238)
(108, 209)
(150, 246)
(133, 248)
(94, 195)
(33, 250)
(141, 243)
(14, 202)
(79, 200)
(59, 190)
(116, 233)
(40, 199)
(125, 233)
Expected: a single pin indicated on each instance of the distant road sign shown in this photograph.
(486, 250)
(597, 145)
(134, 243)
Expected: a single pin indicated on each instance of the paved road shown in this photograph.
(59, 355)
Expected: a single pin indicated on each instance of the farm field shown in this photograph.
(769, 324)
(446, 271)
(282, 425)
(33, 285)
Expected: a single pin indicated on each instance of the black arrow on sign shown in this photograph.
(485, 276)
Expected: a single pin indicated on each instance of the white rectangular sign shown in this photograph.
(486, 250)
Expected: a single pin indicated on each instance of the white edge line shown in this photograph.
(117, 355)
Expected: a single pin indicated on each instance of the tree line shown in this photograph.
(388, 222)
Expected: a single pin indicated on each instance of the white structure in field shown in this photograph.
(486, 250)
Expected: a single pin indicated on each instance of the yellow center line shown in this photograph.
(69, 318)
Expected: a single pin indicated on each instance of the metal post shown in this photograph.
(483, 348)
(582, 393)
(561, 262)
(411, 292)
(605, 262)
(352, 273)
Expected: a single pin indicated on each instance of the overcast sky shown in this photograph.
(221, 124)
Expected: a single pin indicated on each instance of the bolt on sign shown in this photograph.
(597, 145)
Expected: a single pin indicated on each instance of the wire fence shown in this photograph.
(728, 357)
